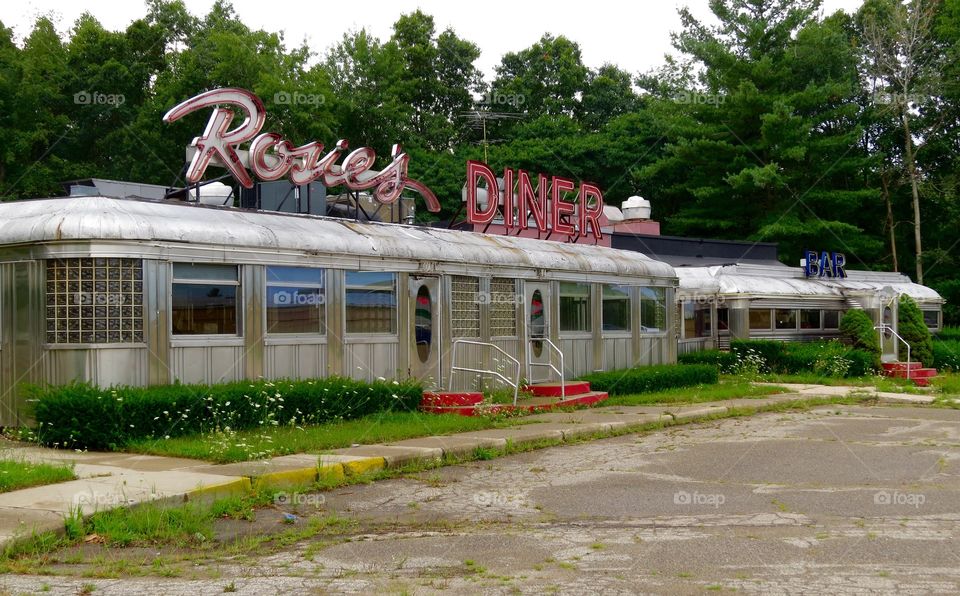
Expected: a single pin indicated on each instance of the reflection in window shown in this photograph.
(371, 302)
(574, 306)
(204, 299)
(931, 318)
(616, 308)
(423, 323)
(723, 319)
(696, 320)
(809, 318)
(760, 318)
(786, 318)
(538, 322)
(831, 319)
(295, 300)
(653, 310)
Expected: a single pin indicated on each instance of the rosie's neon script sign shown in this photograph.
(272, 157)
(586, 210)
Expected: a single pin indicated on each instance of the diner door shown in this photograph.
(537, 311)
(425, 345)
(888, 341)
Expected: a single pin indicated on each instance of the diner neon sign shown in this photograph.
(271, 157)
(546, 203)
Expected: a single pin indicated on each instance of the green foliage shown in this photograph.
(914, 331)
(83, 416)
(949, 334)
(725, 362)
(16, 474)
(827, 358)
(856, 329)
(652, 378)
(946, 354)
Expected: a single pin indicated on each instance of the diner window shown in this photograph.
(503, 307)
(574, 306)
(931, 318)
(204, 299)
(371, 302)
(760, 319)
(723, 319)
(616, 308)
(295, 300)
(653, 310)
(94, 300)
(831, 319)
(809, 318)
(696, 320)
(786, 318)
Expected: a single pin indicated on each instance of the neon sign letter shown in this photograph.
(272, 157)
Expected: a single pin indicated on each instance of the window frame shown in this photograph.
(238, 300)
(628, 298)
(347, 286)
(322, 286)
(588, 311)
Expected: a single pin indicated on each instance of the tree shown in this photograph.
(856, 329)
(764, 142)
(913, 330)
(898, 38)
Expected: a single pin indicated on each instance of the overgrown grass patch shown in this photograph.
(243, 445)
(16, 474)
(730, 388)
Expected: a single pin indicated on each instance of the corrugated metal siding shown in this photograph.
(102, 367)
(577, 355)
(617, 353)
(295, 361)
(206, 364)
(369, 361)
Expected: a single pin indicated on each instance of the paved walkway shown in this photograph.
(108, 480)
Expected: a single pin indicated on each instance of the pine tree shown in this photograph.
(914, 331)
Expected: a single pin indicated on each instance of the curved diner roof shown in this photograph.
(778, 281)
(110, 219)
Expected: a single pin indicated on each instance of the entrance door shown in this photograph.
(425, 335)
(537, 310)
(888, 342)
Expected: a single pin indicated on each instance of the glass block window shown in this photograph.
(503, 307)
(94, 301)
(465, 299)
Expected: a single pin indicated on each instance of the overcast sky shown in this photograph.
(633, 35)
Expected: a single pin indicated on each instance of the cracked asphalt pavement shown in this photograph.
(839, 499)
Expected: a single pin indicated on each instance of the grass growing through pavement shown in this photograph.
(16, 474)
(729, 388)
(282, 440)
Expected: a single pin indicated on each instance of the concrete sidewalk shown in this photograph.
(109, 480)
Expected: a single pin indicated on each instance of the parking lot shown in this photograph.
(839, 499)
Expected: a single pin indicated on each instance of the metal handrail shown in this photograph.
(886, 327)
(454, 367)
(531, 363)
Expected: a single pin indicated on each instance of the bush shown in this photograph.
(914, 331)
(828, 358)
(949, 334)
(652, 378)
(87, 417)
(726, 362)
(946, 354)
(856, 328)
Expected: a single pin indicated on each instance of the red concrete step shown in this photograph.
(916, 373)
(893, 366)
(555, 389)
(448, 399)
